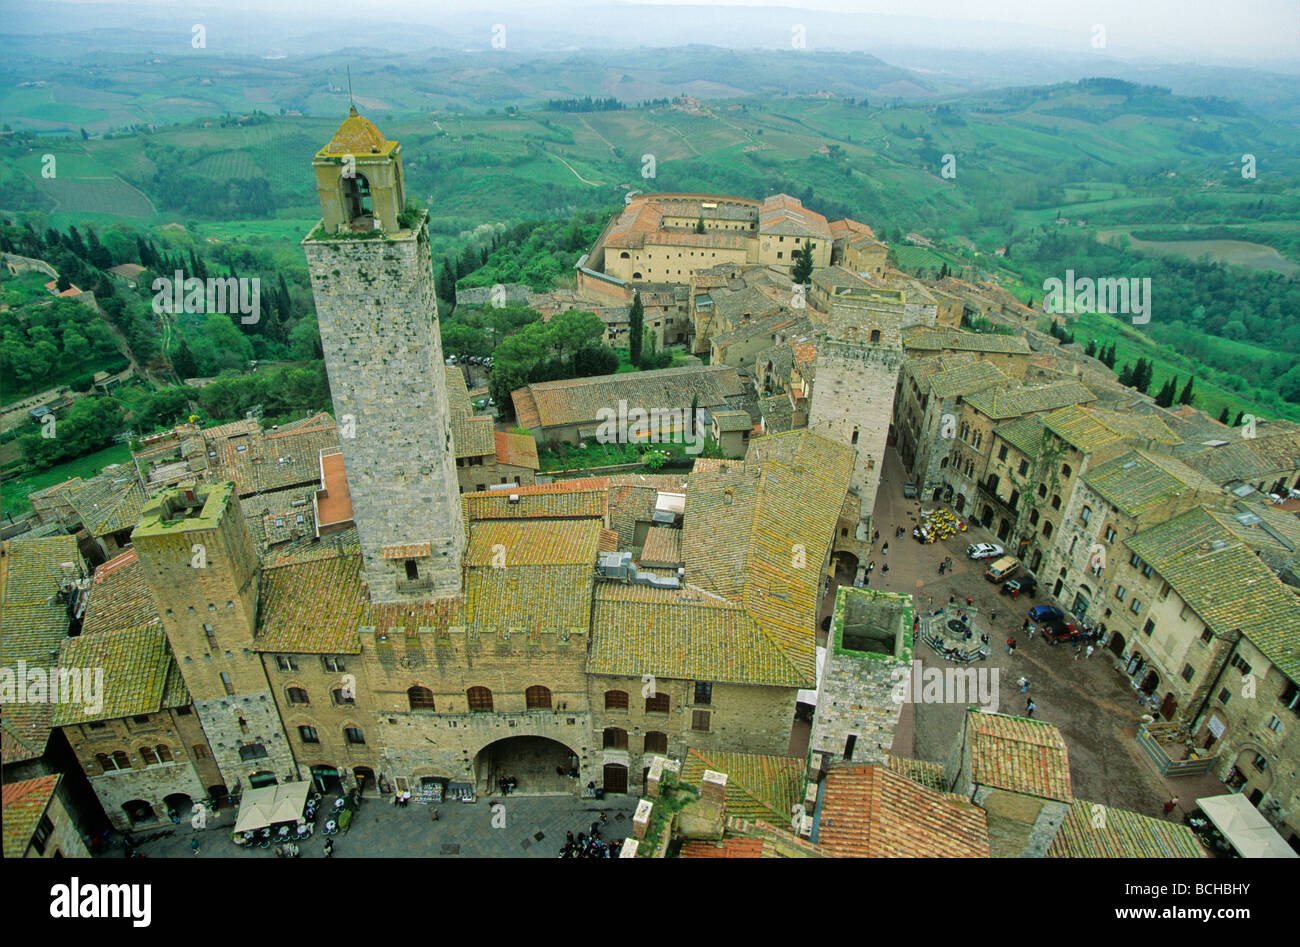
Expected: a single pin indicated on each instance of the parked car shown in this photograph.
(1002, 569)
(1046, 613)
(909, 490)
(984, 550)
(1056, 630)
(1026, 584)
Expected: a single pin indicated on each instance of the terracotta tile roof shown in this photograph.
(733, 847)
(1019, 755)
(873, 812)
(533, 543)
(23, 804)
(261, 461)
(532, 599)
(110, 502)
(136, 663)
(312, 607)
(1225, 583)
(783, 214)
(660, 632)
(517, 450)
(747, 524)
(1091, 830)
(1249, 458)
(334, 499)
(25, 732)
(921, 772)
(1137, 482)
(280, 516)
(119, 597)
(729, 421)
(758, 787)
(930, 338)
(578, 400)
(966, 379)
(473, 437)
(458, 401)
(526, 412)
(663, 546)
(35, 621)
(560, 500)
(1024, 434)
(357, 136)
(1004, 403)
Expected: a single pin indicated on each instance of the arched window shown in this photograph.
(658, 704)
(354, 736)
(615, 738)
(148, 754)
(419, 698)
(1056, 501)
(1047, 528)
(480, 700)
(656, 742)
(105, 762)
(538, 697)
(616, 700)
(164, 754)
(121, 759)
(298, 695)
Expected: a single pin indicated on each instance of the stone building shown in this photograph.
(38, 822)
(372, 280)
(1018, 771)
(859, 353)
(868, 655)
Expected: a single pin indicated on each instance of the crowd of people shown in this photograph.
(589, 845)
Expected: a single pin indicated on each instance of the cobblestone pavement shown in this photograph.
(463, 830)
(1089, 699)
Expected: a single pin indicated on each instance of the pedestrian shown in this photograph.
(875, 537)
(993, 615)
(1078, 650)
(1171, 805)
(871, 567)
(1024, 684)
(1032, 628)
(947, 561)
(884, 550)
(952, 600)
(194, 846)
(1090, 650)
(1025, 626)
(941, 568)
(1011, 646)
(1030, 707)
(604, 818)
(884, 569)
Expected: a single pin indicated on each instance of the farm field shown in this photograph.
(16, 490)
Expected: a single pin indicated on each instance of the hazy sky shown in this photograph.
(1198, 29)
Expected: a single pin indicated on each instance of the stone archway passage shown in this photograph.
(538, 764)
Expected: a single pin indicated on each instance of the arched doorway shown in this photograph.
(615, 778)
(1149, 683)
(538, 765)
(959, 503)
(179, 805)
(1004, 529)
(1081, 602)
(365, 777)
(219, 795)
(139, 812)
(1116, 644)
(327, 779)
(846, 567)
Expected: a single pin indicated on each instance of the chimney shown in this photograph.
(641, 819)
(713, 787)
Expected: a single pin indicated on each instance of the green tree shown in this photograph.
(635, 328)
(1186, 396)
(803, 266)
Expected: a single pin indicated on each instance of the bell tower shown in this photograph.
(359, 179)
(372, 280)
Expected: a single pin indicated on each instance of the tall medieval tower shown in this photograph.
(372, 279)
(202, 568)
(859, 354)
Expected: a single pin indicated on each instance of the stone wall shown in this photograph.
(378, 318)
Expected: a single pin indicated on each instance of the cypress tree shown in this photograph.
(1223, 415)
(1186, 396)
(636, 326)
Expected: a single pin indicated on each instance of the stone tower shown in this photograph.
(859, 354)
(372, 278)
(202, 568)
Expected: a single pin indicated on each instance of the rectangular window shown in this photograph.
(1188, 672)
(225, 682)
(308, 735)
(1002, 452)
(44, 829)
(1135, 606)
(1274, 724)
(1085, 514)
(333, 664)
(1110, 534)
(700, 720)
(1120, 592)
(703, 692)
(285, 663)
(353, 735)
(1149, 627)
